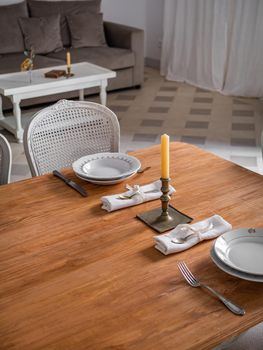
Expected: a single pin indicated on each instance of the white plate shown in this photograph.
(233, 272)
(104, 182)
(106, 166)
(242, 250)
(103, 179)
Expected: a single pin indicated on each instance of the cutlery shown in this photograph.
(142, 170)
(70, 183)
(127, 196)
(193, 233)
(194, 282)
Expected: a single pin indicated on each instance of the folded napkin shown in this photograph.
(140, 194)
(185, 236)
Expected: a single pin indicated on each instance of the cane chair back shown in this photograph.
(5, 160)
(62, 133)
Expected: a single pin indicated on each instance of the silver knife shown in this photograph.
(70, 183)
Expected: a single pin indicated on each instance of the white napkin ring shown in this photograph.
(136, 190)
(187, 231)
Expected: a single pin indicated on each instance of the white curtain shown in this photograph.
(215, 44)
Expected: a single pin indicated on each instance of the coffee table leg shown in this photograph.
(17, 114)
(103, 94)
(81, 95)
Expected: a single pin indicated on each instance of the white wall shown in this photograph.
(154, 28)
(144, 14)
(130, 12)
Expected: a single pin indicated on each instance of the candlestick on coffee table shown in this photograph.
(167, 217)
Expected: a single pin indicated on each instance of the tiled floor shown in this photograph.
(229, 127)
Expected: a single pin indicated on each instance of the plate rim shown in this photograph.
(104, 182)
(242, 232)
(133, 170)
(104, 179)
(230, 271)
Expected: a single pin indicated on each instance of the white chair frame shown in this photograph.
(62, 133)
(5, 160)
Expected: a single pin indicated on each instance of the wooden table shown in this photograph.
(76, 277)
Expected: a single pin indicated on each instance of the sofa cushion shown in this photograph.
(11, 38)
(108, 57)
(86, 30)
(10, 63)
(42, 34)
(63, 8)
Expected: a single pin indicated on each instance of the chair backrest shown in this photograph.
(60, 134)
(5, 160)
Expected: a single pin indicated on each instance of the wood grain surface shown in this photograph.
(76, 277)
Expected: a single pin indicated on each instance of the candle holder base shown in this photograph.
(69, 75)
(162, 223)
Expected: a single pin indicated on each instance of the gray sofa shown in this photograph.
(123, 52)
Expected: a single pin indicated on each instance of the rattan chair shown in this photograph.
(60, 134)
(5, 160)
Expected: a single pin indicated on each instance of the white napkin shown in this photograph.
(191, 234)
(142, 194)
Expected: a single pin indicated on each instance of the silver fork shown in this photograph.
(194, 282)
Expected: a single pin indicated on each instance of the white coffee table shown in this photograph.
(17, 87)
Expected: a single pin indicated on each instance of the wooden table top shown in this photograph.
(76, 277)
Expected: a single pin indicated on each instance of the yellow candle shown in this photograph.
(165, 156)
(68, 59)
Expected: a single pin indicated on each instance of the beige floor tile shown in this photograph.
(243, 134)
(216, 138)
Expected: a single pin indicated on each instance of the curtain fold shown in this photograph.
(215, 44)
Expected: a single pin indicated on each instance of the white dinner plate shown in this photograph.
(242, 250)
(104, 182)
(122, 178)
(106, 166)
(233, 272)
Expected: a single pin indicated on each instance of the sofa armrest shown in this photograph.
(122, 36)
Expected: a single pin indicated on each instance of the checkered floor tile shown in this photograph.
(229, 127)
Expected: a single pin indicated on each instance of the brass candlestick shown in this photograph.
(164, 218)
(165, 198)
(68, 73)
